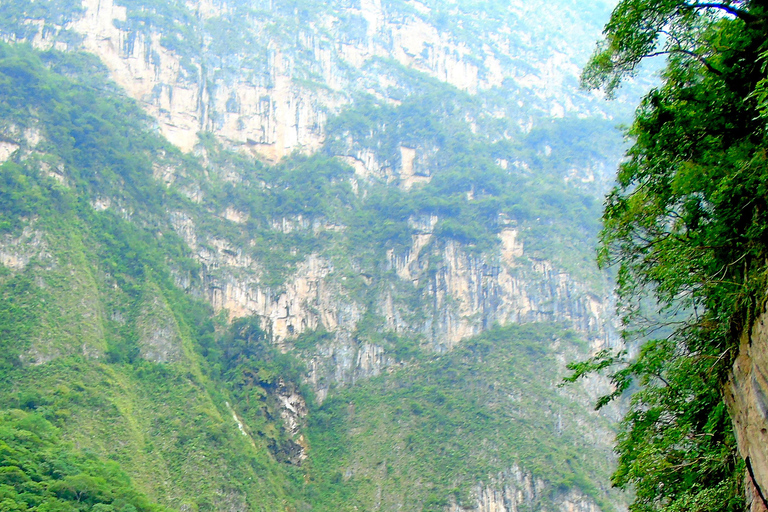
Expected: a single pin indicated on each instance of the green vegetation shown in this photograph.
(96, 302)
(426, 434)
(166, 427)
(468, 190)
(687, 226)
(300, 191)
(38, 471)
(253, 371)
(54, 14)
(107, 343)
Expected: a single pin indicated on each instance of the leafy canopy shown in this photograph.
(686, 224)
(639, 29)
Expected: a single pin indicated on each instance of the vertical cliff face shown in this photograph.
(268, 83)
(463, 294)
(459, 294)
(747, 396)
(271, 115)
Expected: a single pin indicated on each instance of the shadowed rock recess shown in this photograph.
(290, 255)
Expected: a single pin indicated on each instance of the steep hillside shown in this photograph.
(481, 428)
(39, 472)
(96, 336)
(243, 333)
(499, 146)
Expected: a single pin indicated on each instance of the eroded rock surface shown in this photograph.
(747, 398)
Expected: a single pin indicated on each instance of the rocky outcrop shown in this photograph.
(16, 251)
(517, 490)
(7, 148)
(158, 333)
(293, 409)
(457, 294)
(307, 301)
(464, 294)
(469, 292)
(746, 394)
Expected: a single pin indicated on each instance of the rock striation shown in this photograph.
(746, 394)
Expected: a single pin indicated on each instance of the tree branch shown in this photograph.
(701, 59)
(739, 13)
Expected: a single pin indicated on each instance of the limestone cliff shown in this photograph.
(460, 296)
(268, 86)
(346, 287)
(266, 89)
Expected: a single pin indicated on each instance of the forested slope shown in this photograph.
(241, 333)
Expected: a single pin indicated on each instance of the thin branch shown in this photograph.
(739, 13)
(701, 59)
(718, 360)
(662, 379)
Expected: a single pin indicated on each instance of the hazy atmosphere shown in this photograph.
(375, 255)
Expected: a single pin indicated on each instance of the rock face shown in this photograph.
(268, 87)
(17, 251)
(293, 409)
(466, 293)
(265, 81)
(158, 333)
(747, 398)
(458, 297)
(517, 490)
(270, 91)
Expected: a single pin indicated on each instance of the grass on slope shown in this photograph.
(426, 434)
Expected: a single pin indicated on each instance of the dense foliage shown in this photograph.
(40, 472)
(254, 372)
(687, 224)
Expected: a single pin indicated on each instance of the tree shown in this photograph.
(687, 225)
(639, 29)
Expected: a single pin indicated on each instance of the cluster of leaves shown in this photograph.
(676, 446)
(687, 224)
(39, 472)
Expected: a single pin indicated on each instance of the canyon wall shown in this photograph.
(271, 90)
(516, 490)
